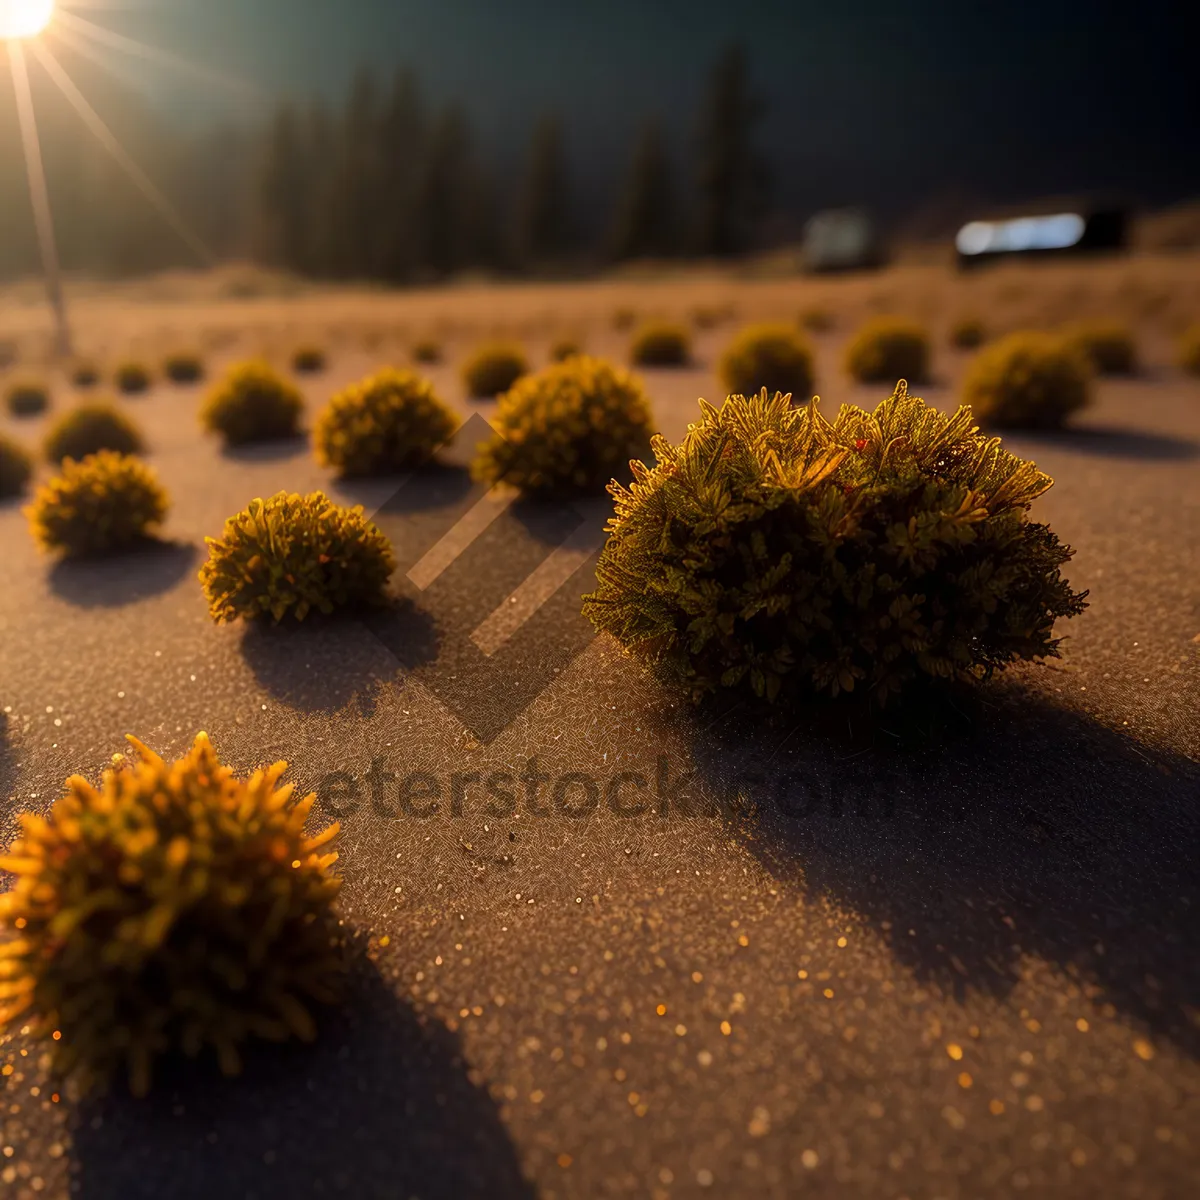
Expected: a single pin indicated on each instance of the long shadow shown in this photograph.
(275, 450)
(323, 665)
(432, 486)
(1115, 442)
(149, 570)
(1031, 831)
(381, 1106)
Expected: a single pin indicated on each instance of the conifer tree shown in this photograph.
(543, 216)
(645, 224)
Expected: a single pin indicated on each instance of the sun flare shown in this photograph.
(24, 18)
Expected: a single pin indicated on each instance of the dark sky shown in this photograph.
(868, 99)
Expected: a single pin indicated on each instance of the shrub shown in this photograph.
(624, 319)
(661, 344)
(1027, 381)
(567, 430)
(389, 422)
(85, 375)
(90, 429)
(775, 357)
(1108, 345)
(1189, 350)
(292, 554)
(308, 360)
(132, 378)
(173, 908)
(817, 320)
(184, 368)
(967, 333)
(27, 398)
(564, 348)
(493, 369)
(886, 349)
(427, 350)
(709, 316)
(782, 557)
(16, 468)
(252, 403)
(107, 502)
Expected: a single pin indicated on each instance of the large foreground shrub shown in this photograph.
(775, 357)
(886, 349)
(89, 429)
(390, 422)
(1027, 380)
(173, 908)
(777, 556)
(292, 554)
(253, 403)
(107, 502)
(567, 430)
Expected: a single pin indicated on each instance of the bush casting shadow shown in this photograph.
(111, 581)
(1034, 832)
(325, 663)
(1112, 442)
(273, 450)
(380, 1107)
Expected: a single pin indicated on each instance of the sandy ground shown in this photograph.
(816, 963)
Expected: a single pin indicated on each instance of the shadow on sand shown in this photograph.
(381, 1107)
(1114, 442)
(153, 568)
(1031, 831)
(275, 450)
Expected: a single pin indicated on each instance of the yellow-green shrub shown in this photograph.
(390, 422)
(817, 319)
(292, 554)
(132, 378)
(253, 403)
(493, 368)
(780, 557)
(184, 367)
(624, 318)
(1109, 346)
(89, 429)
(16, 468)
(661, 344)
(886, 349)
(775, 357)
(1027, 380)
(564, 348)
(1189, 350)
(105, 503)
(173, 908)
(427, 351)
(567, 430)
(85, 375)
(308, 360)
(27, 398)
(968, 333)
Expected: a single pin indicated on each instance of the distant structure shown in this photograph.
(1078, 229)
(841, 239)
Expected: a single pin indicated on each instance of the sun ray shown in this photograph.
(109, 141)
(111, 64)
(153, 54)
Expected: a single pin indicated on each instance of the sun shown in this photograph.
(24, 18)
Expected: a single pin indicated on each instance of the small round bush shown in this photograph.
(16, 468)
(184, 368)
(174, 908)
(253, 403)
(817, 320)
(27, 398)
(1189, 350)
(564, 348)
(292, 554)
(1108, 345)
(1027, 380)
(624, 319)
(85, 375)
(775, 357)
(709, 316)
(777, 557)
(493, 369)
(107, 502)
(967, 333)
(90, 429)
(308, 360)
(132, 378)
(886, 349)
(567, 430)
(661, 344)
(427, 351)
(390, 422)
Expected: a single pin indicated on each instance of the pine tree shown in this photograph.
(440, 218)
(403, 146)
(361, 180)
(542, 231)
(730, 177)
(645, 225)
(282, 220)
